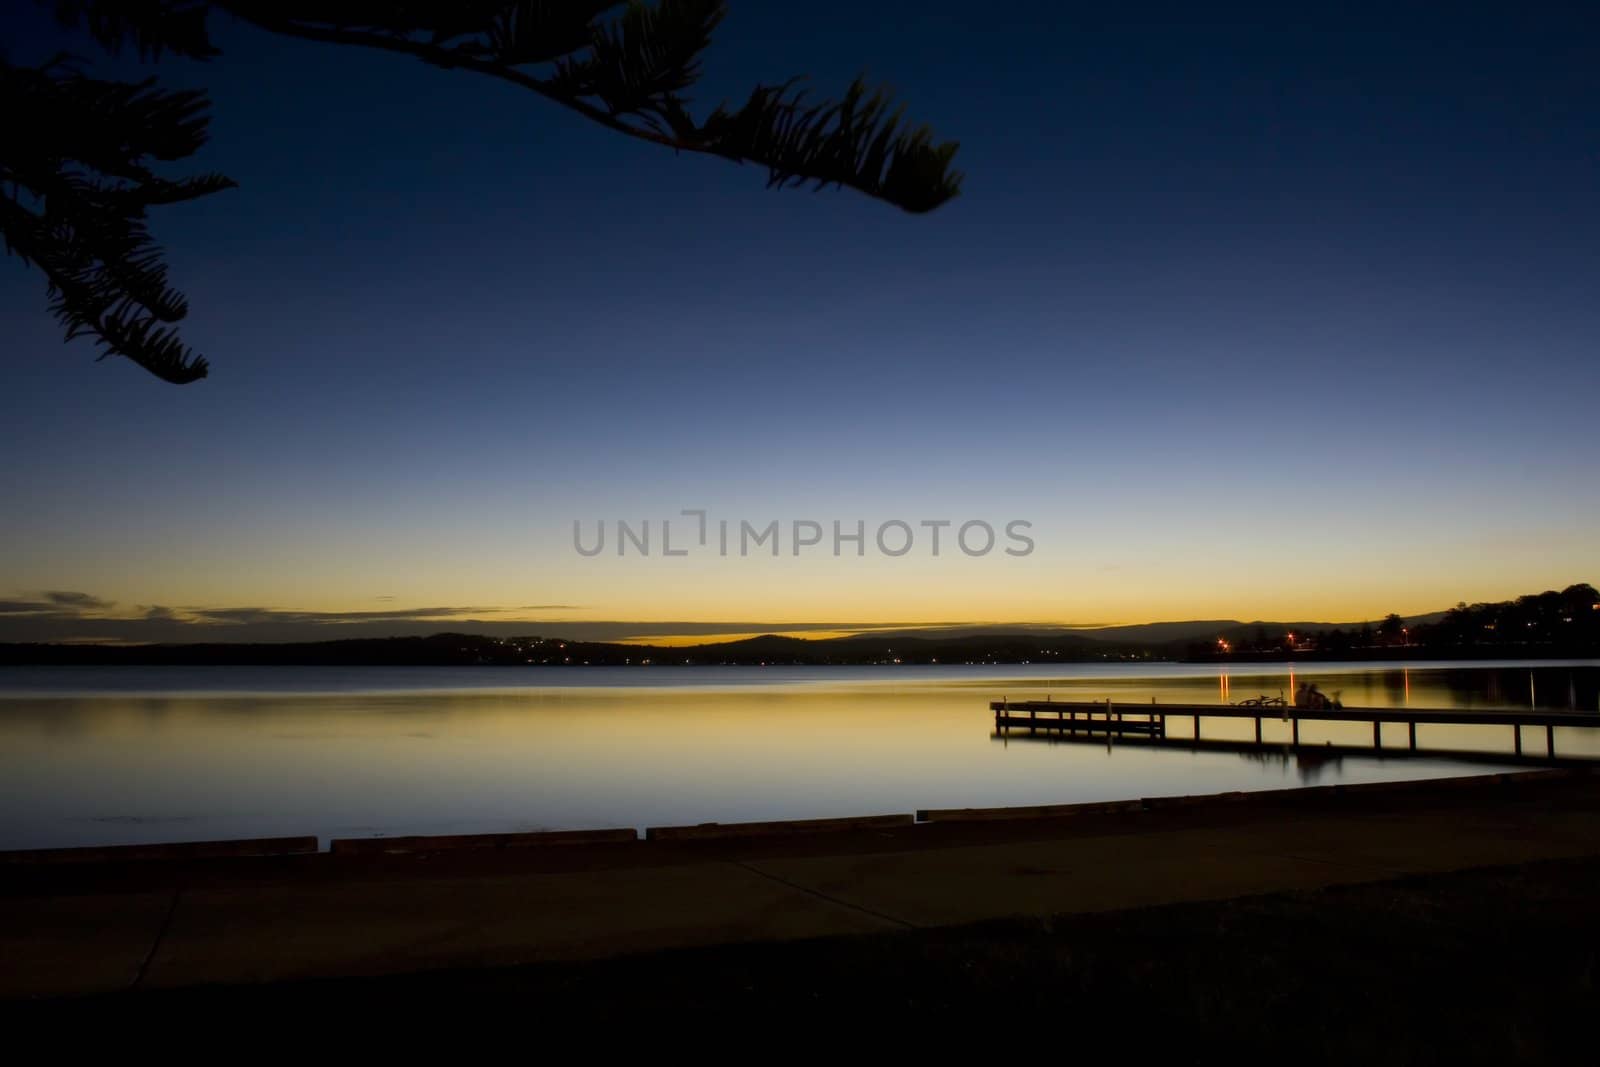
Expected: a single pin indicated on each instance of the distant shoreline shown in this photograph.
(471, 650)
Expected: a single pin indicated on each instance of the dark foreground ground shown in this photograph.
(1447, 921)
(1496, 964)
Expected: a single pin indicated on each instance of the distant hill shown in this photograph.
(449, 649)
(1543, 624)
(1143, 633)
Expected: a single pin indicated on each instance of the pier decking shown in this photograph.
(1149, 722)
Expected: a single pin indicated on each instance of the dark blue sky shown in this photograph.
(1214, 274)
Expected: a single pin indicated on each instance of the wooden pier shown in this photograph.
(1107, 719)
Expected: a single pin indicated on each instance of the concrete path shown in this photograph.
(101, 927)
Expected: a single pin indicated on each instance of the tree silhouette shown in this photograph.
(76, 180)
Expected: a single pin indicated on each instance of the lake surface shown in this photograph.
(117, 755)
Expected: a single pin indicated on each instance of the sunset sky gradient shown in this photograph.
(1253, 314)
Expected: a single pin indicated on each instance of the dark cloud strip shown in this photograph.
(76, 617)
(44, 620)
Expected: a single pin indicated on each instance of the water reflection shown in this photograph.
(113, 757)
(1309, 764)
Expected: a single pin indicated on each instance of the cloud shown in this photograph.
(63, 615)
(60, 616)
(77, 601)
(54, 602)
(257, 616)
(160, 624)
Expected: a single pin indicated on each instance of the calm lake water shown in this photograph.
(124, 755)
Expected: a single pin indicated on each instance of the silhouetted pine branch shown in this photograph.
(626, 66)
(76, 186)
(153, 27)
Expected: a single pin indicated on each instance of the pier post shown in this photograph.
(1414, 737)
(1550, 740)
(1197, 727)
(1297, 731)
(1258, 729)
(1517, 729)
(1377, 734)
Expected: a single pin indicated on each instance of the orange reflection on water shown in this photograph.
(424, 752)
